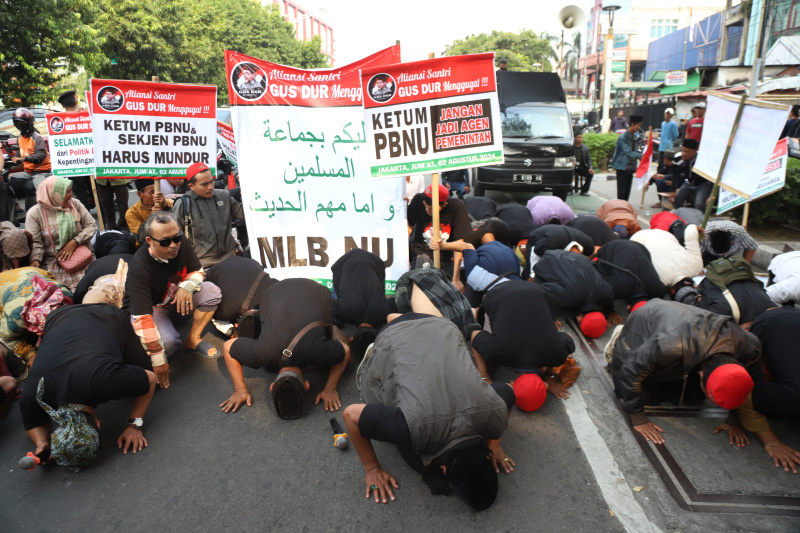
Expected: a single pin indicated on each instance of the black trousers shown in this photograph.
(106, 194)
(587, 176)
(624, 182)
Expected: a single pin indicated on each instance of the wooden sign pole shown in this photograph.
(715, 191)
(97, 203)
(437, 254)
(746, 214)
(156, 182)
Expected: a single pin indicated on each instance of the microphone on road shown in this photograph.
(29, 462)
(339, 437)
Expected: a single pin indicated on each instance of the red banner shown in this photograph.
(252, 81)
(67, 122)
(428, 80)
(109, 97)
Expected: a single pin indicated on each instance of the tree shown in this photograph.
(522, 50)
(184, 41)
(571, 56)
(43, 41)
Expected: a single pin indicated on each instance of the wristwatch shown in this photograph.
(136, 423)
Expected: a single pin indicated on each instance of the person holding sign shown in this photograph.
(454, 220)
(205, 215)
(163, 277)
(149, 202)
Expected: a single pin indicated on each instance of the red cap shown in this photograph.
(444, 192)
(196, 169)
(531, 392)
(594, 324)
(638, 305)
(663, 220)
(729, 385)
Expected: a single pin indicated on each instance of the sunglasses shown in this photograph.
(164, 243)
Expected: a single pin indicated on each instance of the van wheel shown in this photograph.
(477, 188)
(562, 193)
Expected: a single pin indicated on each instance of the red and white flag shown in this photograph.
(643, 172)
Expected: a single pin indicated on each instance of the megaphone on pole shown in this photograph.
(571, 17)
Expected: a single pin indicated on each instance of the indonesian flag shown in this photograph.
(643, 172)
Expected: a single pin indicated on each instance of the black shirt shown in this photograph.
(98, 268)
(595, 228)
(89, 355)
(359, 279)
(480, 207)
(554, 237)
(151, 282)
(286, 308)
(235, 277)
(750, 296)
(519, 221)
(628, 268)
(452, 217)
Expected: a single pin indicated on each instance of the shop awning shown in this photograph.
(636, 85)
(692, 83)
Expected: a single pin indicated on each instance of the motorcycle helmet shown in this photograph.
(23, 120)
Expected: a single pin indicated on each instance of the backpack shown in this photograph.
(723, 271)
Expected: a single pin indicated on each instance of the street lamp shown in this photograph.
(611, 6)
(537, 67)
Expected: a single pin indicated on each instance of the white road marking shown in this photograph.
(618, 496)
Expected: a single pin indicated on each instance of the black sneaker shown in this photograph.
(17, 367)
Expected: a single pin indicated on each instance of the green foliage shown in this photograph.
(521, 49)
(184, 41)
(42, 41)
(780, 207)
(601, 145)
(572, 51)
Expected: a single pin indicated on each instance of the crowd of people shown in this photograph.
(509, 278)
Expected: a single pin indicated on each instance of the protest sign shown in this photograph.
(758, 130)
(70, 142)
(773, 180)
(227, 141)
(144, 129)
(303, 169)
(433, 115)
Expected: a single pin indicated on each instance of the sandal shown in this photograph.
(203, 349)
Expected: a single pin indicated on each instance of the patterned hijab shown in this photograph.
(75, 442)
(50, 195)
(109, 289)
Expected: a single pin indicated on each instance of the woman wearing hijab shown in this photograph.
(59, 225)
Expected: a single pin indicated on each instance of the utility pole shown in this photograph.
(758, 59)
(605, 120)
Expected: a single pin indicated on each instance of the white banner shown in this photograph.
(304, 172)
(773, 180)
(759, 128)
(227, 142)
(71, 143)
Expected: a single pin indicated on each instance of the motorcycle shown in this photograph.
(8, 197)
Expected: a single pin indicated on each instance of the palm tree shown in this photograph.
(571, 55)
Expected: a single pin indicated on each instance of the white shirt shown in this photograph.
(786, 268)
(414, 186)
(672, 261)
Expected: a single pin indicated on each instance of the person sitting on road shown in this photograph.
(58, 224)
(75, 372)
(428, 291)
(628, 268)
(149, 201)
(617, 213)
(664, 179)
(454, 226)
(17, 289)
(579, 289)
(295, 334)
(553, 237)
(673, 262)
(359, 282)
(668, 351)
(241, 281)
(725, 238)
(165, 282)
(783, 286)
(210, 216)
(739, 294)
(493, 258)
(549, 210)
(595, 228)
(521, 331)
(519, 220)
(432, 404)
(34, 157)
(689, 186)
(15, 246)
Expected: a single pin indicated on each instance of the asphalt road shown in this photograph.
(579, 468)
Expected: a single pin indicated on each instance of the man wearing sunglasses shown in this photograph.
(165, 283)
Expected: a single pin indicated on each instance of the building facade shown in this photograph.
(307, 24)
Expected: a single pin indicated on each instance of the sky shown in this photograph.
(362, 27)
